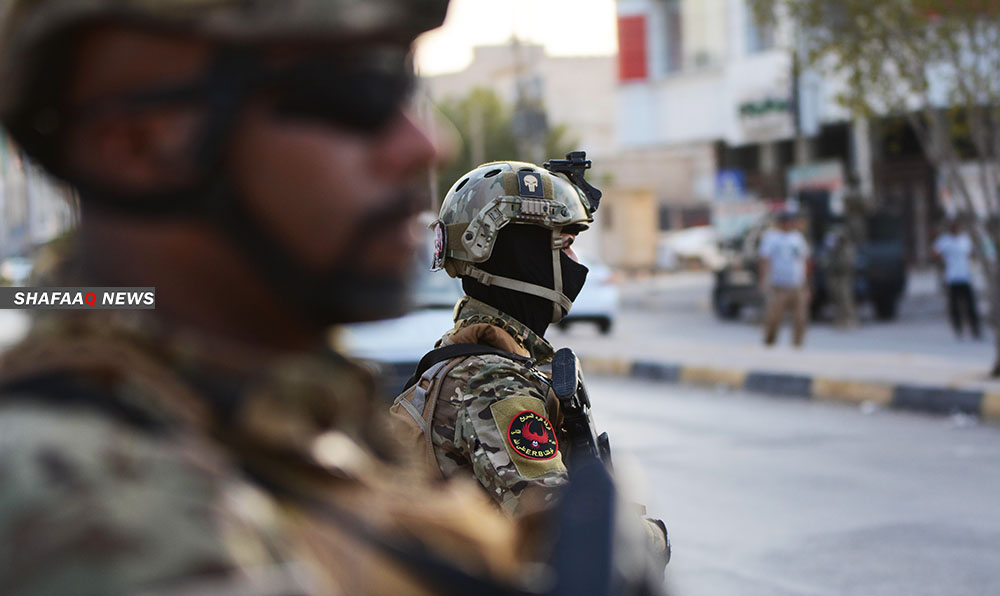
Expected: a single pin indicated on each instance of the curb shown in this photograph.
(931, 400)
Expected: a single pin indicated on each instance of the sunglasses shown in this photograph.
(360, 91)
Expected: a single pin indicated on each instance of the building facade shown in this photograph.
(721, 116)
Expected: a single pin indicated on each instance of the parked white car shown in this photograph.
(406, 339)
(692, 245)
(395, 346)
(16, 270)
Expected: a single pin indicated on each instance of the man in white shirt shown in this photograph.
(783, 277)
(954, 250)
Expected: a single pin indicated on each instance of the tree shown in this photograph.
(934, 63)
(485, 125)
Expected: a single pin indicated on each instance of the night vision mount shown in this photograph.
(574, 166)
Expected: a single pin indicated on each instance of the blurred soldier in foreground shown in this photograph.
(252, 161)
(842, 251)
(481, 405)
(784, 278)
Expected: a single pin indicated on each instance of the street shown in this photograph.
(771, 497)
(782, 497)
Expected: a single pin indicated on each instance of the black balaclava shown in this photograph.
(524, 252)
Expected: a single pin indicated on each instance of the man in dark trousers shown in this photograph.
(954, 250)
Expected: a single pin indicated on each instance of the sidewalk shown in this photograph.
(666, 332)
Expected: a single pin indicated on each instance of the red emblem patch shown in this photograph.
(532, 436)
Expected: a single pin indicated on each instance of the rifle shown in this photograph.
(578, 424)
(567, 383)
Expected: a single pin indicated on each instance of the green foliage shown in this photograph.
(483, 122)
(933, 62)
(890, 50)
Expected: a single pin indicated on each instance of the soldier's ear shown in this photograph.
(135, 153)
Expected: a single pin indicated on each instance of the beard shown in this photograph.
(354, 290)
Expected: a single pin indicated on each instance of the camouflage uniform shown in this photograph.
(490, 416)
(178, 463)
(840, 267)
(470, 404)
(141, 459)
(477, 400)
(494, 417)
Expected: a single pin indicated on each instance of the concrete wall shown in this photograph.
(628, 219)
(675, 175)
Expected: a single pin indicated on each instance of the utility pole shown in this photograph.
(530, 123)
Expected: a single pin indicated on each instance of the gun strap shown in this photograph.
(67, 388)
(458, 351)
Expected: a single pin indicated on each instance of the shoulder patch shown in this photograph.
(528, 436)
(532, 436)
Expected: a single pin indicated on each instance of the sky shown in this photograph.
(565, 27)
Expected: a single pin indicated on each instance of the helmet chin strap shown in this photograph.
(557, 279)
(560, 302)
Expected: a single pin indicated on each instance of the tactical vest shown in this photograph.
(412, 413)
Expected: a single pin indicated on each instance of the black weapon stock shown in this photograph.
(578, 424)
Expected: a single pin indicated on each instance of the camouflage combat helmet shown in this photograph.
(32, 30)
(356, 75)
(496, 194)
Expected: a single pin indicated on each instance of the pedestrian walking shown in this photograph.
(784, 279)
(954, 251)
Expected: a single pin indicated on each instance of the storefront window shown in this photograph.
(759, 37)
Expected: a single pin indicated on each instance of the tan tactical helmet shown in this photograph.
(496, 194)
(30, 30)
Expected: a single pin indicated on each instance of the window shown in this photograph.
(675, 36)
(759, 37)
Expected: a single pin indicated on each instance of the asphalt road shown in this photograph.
(777, 497)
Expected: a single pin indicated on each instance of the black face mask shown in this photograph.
(574, 275)
(524, 252)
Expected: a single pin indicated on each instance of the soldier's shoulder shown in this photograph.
(490, 364)
(494, 377)
(96, 505)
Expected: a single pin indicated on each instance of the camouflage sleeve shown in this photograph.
(89, 506)
(502, 428)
